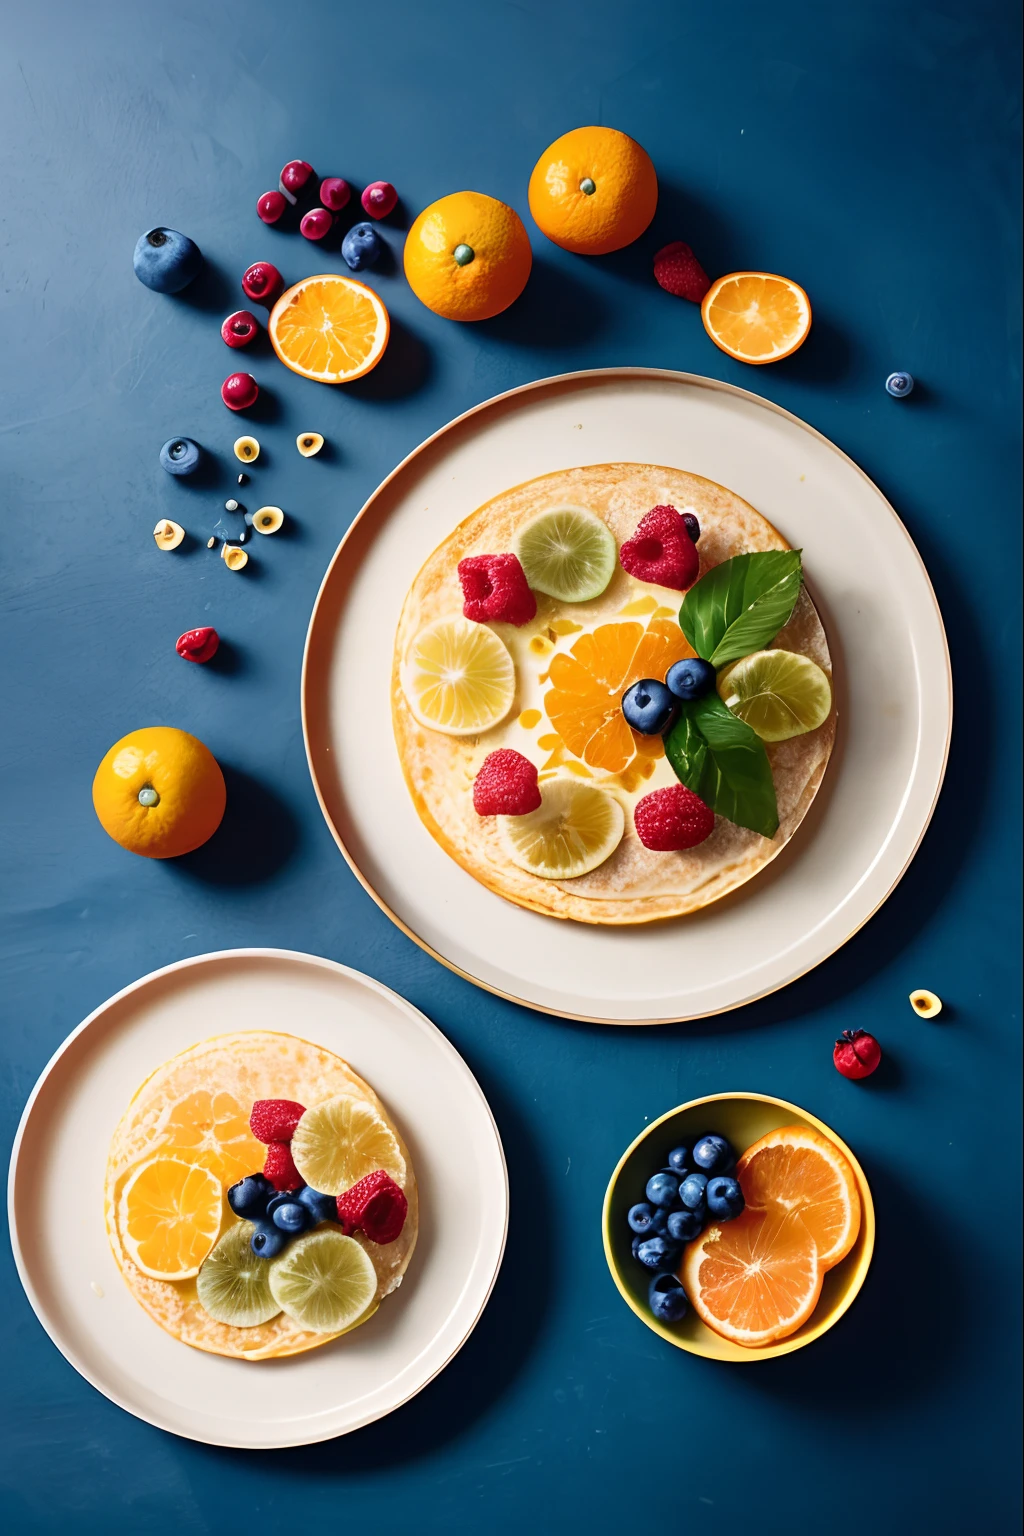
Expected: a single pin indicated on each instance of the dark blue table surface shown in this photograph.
(870, 150)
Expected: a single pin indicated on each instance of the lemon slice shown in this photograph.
(574, 830)
(777, 693)
(234, 1285)
(325, 1282)
(169, 1215)
(339, 1142)
(459, 678)
(568, 553)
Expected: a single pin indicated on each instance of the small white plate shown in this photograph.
(893, 686)
(55, 1201)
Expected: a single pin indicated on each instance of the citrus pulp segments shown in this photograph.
(567, 553)
(339, 1142)
(329, 328)
(756, 317)
(233, 1285)
(797, 1170)
(169, 1217)
(459, 677)
(575, 828)
(779, 694)
(325, 1282)
(755, 1279)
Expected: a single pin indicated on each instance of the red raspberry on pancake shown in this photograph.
(279, 1168)
(506, 785)
(376, 1205)
(275, 1119)
(671, 819)
(496, 590)
(661, 551)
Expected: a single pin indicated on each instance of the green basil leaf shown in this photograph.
(723, 761)
(741, 605)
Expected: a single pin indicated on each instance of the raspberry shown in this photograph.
(672, 818)
(677, 270)
(661, 551)
(275, 1119)
(377, 1205)
(495, 588)
(856, 1054)
(506, 785)
(279, 1168)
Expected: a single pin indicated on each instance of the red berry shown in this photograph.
(661, 551)
(377, 1205)
(857, 1053)
(678, 271)
(506, 785)
(275, 1119)
(496, 590)
(198, 644)
(279, 1168)
(672, 818)
(271, 206)
(294, 177)
(262, 282)
(378, 199)
(239, 391)
(316, 224)
(239, 329)
(335, 193)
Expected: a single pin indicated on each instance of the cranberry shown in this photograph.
(239, 329)
(857, 1053)
(271, 206)
(379, 198)
(316, 224)
(294, 177)
(198, 644)
(239, 391)
(262, 282)
(335, 193)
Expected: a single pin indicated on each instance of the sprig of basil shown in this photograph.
(740, 605)
(723, 761)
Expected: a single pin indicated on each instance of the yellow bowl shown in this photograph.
(743, 1118)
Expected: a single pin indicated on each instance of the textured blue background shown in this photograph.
(870, 150)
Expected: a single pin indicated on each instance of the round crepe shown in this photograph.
(634, 885)
(232, 1071)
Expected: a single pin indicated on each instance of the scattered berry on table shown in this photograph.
(249, 1197)
(378, 199)
(234, 558)
(270, 206)
(361, 247)
(262, 283)
(925, 1004)
(376, 1206)
(309, 443)
(506, 785)
(724, 1197)
(684, 1226)
(671, 819)
(680, 1160)
(856, 1053)
(231, 505)
(662, 1189)
(198, 644)
(267, 519)
(168, 535)
(899, 385)
(335, 193)
(239, 329)
(292, 1217)
(691, 678)
(657, 1252)
(640, 1217)
(166, 261)
(294, 179)
(321, 1207)
(239, 391)
(277, 1165)
(180, 456)
(267, 1241)
(496, 590)
(661, 551)
(666, 1298)
(677, 270)
(275, 1120)
(692, 525)
(713, 1154)
(247, 449)
(649, 707)
(316, 224)
(693, 1191)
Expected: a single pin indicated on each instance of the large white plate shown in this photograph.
(55, 1200)
(894, 696)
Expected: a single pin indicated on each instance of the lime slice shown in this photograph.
(574, 830)
(325, 1282)
(459, 678)
(339, 1142)
(567, 553)
(234, 1285)
(779, 694)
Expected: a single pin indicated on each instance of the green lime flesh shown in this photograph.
(233, 1284)
(325, 1282)
(568, 553)
(779, 694)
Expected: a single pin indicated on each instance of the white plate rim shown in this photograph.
(151, 977)
(535, 386)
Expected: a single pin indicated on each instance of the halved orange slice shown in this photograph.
(755, 1279)
(756, 317)
(797, 1170)
(329, 328)
(169, 1215)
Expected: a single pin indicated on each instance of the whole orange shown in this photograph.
(468, 256)
(594, 190)
(159, 792)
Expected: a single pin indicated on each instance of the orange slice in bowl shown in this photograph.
(797, 1170)
(755, 1279)
(329, 328)
(756, 317)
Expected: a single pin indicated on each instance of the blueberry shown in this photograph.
(267, 1240)
(635, 1245)
(166, 261)
(684, 1226)
(666, 1298)
(248, 1198)
(692, 1191)
(714, 1155)
(659, 1222)
(640, 1217)
(320, 1207)
(725, 1198)
(680, 1160)
(692, 527)
(361, 247)
(657, 1252)
(292, 1217)
(179, 456)
(649, 707)
(662, 1189)
(691, 678)
(899, 385)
